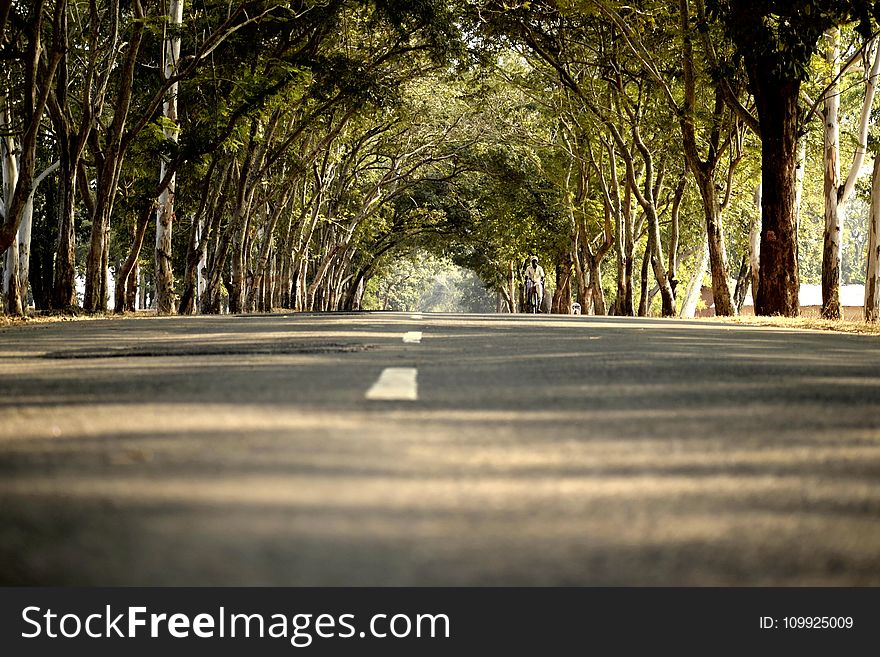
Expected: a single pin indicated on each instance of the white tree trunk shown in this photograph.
(872, 278)
(864, 127)
(165, 303)
(755, 242)
(24, 235)
(800, 174)
(831, 160)
(24, 249)
(202, 267)
(11, 290)
(695, 286)
(837, 195)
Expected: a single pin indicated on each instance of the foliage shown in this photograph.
(329, 150)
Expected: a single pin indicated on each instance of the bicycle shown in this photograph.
(533, 298)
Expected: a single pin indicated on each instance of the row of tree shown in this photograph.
(282, 153)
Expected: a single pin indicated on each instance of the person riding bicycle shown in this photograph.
(534, 275)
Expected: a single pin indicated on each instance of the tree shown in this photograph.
(165, 303)
(38, 65)
(872, 277)
(776, 41)
(722, 126)
(838, 193)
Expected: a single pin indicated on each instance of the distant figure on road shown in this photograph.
(534, 276)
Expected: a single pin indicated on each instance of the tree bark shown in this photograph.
(64, 281)
(704, 170)
(831, 250)
(718, 265)
(126, 277)
(598, 294)
(165, 301)
(872, 277)
(778, 278)
(837, 194)
(695, 286)
(623, 249)
(25, 231)
(39, 73)
(511, 285)
(110, 158)
(8, 148)
(742, 284)
(561, 304)
(643, 279)
(755, 243)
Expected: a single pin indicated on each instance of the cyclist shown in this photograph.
(534, 276)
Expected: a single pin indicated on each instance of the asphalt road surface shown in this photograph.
(392, 449)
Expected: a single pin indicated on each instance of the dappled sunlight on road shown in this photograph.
(588, 456)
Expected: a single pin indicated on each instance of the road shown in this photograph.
(397, 449)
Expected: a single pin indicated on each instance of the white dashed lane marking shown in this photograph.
(396, 384)
(412, 337)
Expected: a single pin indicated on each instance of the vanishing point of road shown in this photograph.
(399, 449)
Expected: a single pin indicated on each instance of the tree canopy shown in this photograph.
(258, 154)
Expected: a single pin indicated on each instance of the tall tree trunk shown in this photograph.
(674, 237)
(43, 252)
(755, 243)
(742, 283)
(580, 269)
(316, 286)
(110, 158)
(598, 294)
(211, 302)
(40, 68)
(562, 296)
(64, 281)
(132, 290)
(800, 176)
(705, 170)
(643, 279)
(205, 227)
(718, 265)
(165, 302)
(779, 282)
(695, 286)
(836, 194)
(11, 290)
(189, 297)
(625, 246)
(619, 305)
(237, 292)
(872, 278)
(667, 296)
(95, 298)
(126, 273)
(24, 242)
(262, 269)
(832, 235)
(511, 285)
(70, 147)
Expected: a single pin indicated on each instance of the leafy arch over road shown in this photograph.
(280, 153)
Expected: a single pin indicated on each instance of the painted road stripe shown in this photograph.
(412, 337)
(415, 317)
(396, 383)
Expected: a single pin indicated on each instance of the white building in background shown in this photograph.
(852, 301)
(851, 296)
